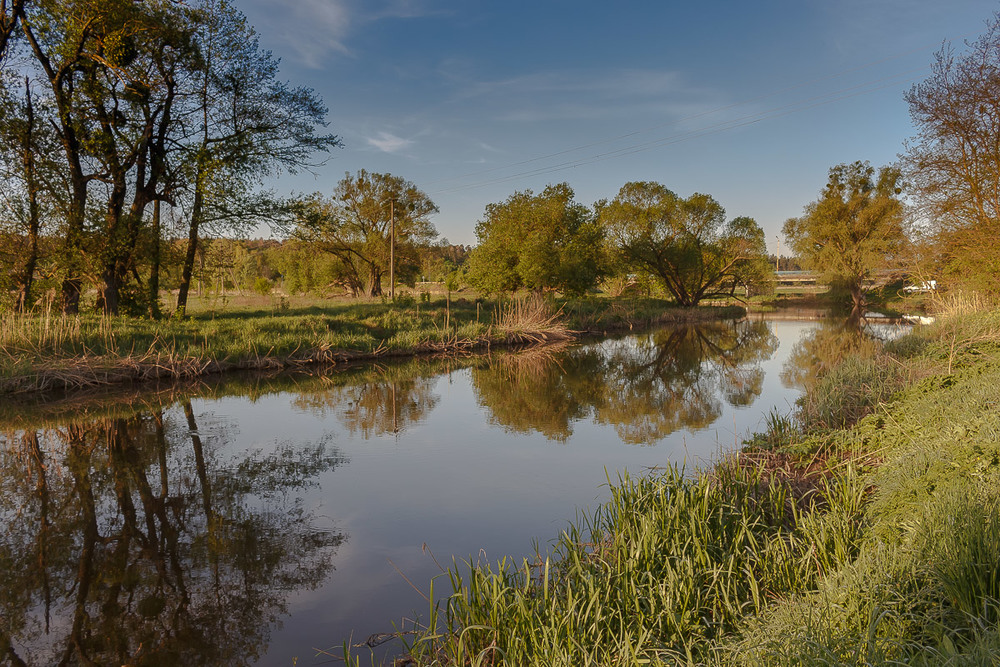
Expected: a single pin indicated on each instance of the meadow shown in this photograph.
(46, 350)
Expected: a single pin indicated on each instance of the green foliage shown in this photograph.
(854, 229)
(685, 243)
(262, 286)
(544, 241)
(665, 569)
(923, 589)
(849, 391)
(368, 215)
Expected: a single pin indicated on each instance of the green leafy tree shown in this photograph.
(685, 243)
(247, 123)
(854, 229)
(544, 241)
(953, 164)
(357, 224)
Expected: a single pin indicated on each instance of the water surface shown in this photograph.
(266, 520)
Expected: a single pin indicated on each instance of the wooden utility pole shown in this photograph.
(777, 255)
(392, 252)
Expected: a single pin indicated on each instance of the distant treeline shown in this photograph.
(233, 266)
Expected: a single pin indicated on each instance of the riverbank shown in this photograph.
(874, 542)
(55, 353)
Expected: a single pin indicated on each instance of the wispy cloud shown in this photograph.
(588, 95)
(389, 143)
(404, 9)
(311, 30)
(315, 30)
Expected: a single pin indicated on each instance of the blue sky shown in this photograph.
(751, 102)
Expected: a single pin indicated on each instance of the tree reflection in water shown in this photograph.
(376, 401)
(823, 348)
(646, 387)
(131, 541)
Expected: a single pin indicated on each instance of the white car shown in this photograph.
(926, 286)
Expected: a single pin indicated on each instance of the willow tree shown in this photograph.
(684, 243)
(854, 229)
(538, 242)
(368, 219)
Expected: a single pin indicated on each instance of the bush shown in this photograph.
(262, 286)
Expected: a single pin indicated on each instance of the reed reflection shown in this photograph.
(645, 387)
(133, 540)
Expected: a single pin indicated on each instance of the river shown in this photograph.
(266, 520)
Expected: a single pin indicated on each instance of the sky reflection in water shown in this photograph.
(259, 526)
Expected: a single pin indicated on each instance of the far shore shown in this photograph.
(49, 353)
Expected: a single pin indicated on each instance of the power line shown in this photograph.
(675, 139)
(723, 126)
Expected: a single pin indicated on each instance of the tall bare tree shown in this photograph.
(953, 164)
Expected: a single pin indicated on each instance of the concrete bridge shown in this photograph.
(795, 277)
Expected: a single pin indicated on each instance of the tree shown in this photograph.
(247, 123)
(26, 142)
(544, 241)
(685, 243)
(112, 69)
(8, 22)
(65, 41)
(854, 229)
(953, 164)
(357, 225)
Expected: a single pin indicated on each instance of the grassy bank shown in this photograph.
(53, 352)
(876, 542)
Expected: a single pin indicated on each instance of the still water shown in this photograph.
(267, 520)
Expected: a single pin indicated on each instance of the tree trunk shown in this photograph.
(76, 214)
(72, 283)
(8, 22)
(858, 301)
(189, 257)
(374, 281)
(154, 271)
(28, 162)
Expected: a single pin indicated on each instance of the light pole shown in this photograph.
(777, 255)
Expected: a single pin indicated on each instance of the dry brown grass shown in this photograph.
(530, 319)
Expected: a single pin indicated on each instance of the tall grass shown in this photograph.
(659, 574)
(924, 588)
(532, 317)
(883, 552)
